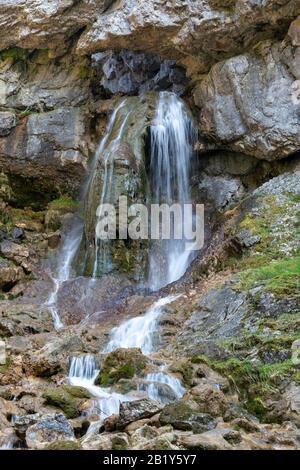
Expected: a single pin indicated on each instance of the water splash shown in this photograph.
(151, 386)
(139, 332)
(7, 446)
(172, 139)
(83, 373)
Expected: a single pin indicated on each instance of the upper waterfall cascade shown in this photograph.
(172, 137)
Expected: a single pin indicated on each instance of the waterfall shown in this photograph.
(138, 332)
(83, 373)
(151, 386)
(101, 253)
(118, 171)
(65, 258)
(135, 333)
(172, 138)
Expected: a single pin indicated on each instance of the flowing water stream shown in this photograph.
(139, 331)
(172, 140)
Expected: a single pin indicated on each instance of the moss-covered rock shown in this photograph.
(64, 445)
(121, 364)
(77, 392)
(60, 398)
(56, 209)
(184, 416)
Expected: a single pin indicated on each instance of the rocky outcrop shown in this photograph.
(46, 25)
(135, 72)
(48, 429)
(250, 103)
(204, 30)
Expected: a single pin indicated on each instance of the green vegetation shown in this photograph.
(282, 277)
(254, 382)
(121, 364)
(63, 204)
(186, 370)
(14, 53)
(25, 113)
(77, 392)
(60, 398)
(126, 371)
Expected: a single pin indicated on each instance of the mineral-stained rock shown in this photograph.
(7, 122)
(22, 422)
(49, 428)
(52, 358)
(105, 441)
(249, 102)
(294, 32)
(135, 72)
(135, 410)
(9, 275)
(219, 315)
(20, 253)
(220, 191)
(50, 142)
(18, 319)
(211, 440)
(105, 293)
(210, 399)
(207, 31)
(42, 25)
(2, 353)
(185, 416)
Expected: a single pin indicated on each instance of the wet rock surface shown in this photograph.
(232, 338)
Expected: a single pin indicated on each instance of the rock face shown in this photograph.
(250, 103)
(107, 292)
(135, 410)
(48, 429)
(230, 341)
(206, 30)
(135, 72)
(43, 25)
(46, 142)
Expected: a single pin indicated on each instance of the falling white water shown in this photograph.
(65, 257)
(8, 445)
(172, 138)
(138, 332)
(83, 373)
(155, 392)
(101, 246)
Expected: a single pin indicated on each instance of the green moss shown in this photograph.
(4, 367)
(60, 398)
(121, 364)
(269, 224)
(185, 368)
(25, 113)
(14, 53)
(254, 382)
(77, 392)
(125, 371)
(282, 277)
(296, 377)
(63, 204)
(119, 443)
